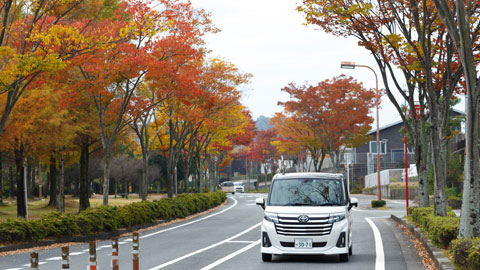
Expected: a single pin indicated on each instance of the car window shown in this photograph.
(228, 184)
(314, 192)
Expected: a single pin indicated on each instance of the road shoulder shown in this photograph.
(409, 252)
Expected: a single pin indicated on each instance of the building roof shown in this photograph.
(401, 122)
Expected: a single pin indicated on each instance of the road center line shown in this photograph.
(228, 257)
(205, 248)
(191, 222)
(380, 257)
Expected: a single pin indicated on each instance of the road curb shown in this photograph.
(435, 253)
(79, 238)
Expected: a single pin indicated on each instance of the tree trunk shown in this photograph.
(12, 184)
(1, 179)
(61, 186)
(469, 218)
(21, 206)
(53, 182)
(145, 175)
(30, 180)
(439, 168)
(84, 182)
(106, 176)
(40, 180)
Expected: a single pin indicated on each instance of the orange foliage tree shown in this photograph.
(322, 109)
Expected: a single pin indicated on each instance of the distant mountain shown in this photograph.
(263, 123)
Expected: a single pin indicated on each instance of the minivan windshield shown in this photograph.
(309, 191)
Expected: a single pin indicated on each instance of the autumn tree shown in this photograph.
(322, 109)
(295, 137)
(29, 37)
(460, 19)
(406, 35)
(172, 56)
(264, 149)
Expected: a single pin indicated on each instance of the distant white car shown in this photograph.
(228, 187)
(239, 187)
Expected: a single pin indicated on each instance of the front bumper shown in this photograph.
(330, 248)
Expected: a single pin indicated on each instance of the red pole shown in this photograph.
(92, 249)
(115, 265)
(406, 165)
(135, 250)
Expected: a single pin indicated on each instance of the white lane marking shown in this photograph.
(191, 222)
(76, 253)
(378, 211)
(14, 268)
(243, 242)
(54, 259)
(226, 258)
(380, 257)
(121, 243)
(85, 250)
(205, 248)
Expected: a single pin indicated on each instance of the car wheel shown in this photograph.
(350, 250)
(233, 193)
(344, 257)
(266, 257)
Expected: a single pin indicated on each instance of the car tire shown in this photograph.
(350, 250)
(266, 257)
(343, 257)
(233, 193)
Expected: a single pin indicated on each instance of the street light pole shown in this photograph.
(352, 65)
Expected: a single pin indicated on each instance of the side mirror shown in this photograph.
(261, 202)
(353, 202)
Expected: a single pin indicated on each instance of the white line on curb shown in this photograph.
(226, 258)
(380, 257)
(191, 222)
(205, 248)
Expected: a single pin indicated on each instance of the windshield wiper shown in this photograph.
(298, 204)
(327, 204)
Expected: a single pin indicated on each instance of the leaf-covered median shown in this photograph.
(443, 232)
(107, 218)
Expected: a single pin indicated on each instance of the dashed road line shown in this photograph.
(226, 258)
(205, 248)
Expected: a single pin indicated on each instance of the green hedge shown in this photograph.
(378, 203)
(107, 218)
(466, 253)
(441, 230)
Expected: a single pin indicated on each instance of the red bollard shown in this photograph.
(34, 261)
(65, 257)
(135, 248)
(115, 265)
(92, 265)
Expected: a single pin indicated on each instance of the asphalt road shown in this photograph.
(229, 238)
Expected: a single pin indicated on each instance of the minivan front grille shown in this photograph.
(317, 225)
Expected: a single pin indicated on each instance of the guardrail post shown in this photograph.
(115, 253)
(135, 249)
(93, 256)
(65, 257)
(34, 261)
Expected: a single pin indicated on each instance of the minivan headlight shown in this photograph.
(336, 218)
(272, 217)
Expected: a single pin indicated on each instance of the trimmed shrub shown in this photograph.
(466, 253)
(378, 203)
(107, 218)
(442, 230)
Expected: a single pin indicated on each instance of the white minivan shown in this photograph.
(307, 214)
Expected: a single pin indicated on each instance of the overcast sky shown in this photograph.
(267, 38)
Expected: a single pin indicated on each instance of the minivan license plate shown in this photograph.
(303, 243)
